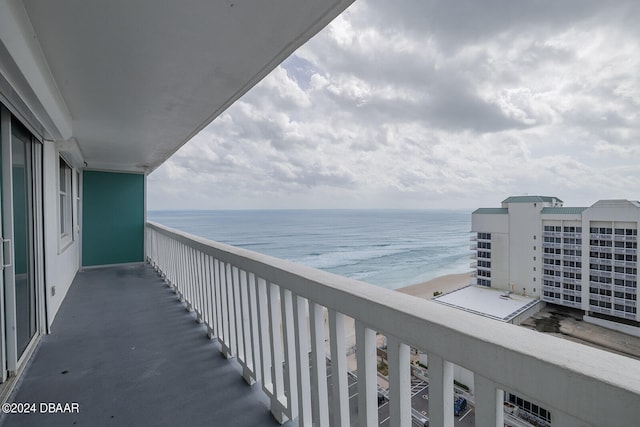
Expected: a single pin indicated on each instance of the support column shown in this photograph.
(489, 403)
(399, 383)
(367, 375)
(339, 386)
(440, 391)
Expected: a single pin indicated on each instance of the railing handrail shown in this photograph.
(513, 357)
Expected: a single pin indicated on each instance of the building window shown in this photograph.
(66, 203)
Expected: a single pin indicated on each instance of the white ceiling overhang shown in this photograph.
(131, 80)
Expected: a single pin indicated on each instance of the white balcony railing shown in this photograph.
(269, 314)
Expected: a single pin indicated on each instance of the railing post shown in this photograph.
(302, 357)
(217, 299)
(339, 386)
(489, 403)
(229, 335)
(236, 313)
(199, 283)
(278, 397)
(399, 383)
(256, 355)
(440, 391)
(320, 400)
(225, 331)
(290, 363)
(263, 334)
(211, 312)
(246, 329)
(367, 375)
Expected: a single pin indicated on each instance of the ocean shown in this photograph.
(388, 248)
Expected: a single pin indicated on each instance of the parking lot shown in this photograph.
(419, 402)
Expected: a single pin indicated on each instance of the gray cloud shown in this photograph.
(430, 104)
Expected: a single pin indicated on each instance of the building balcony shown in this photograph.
(572, 246)
(623, 301)
(571, 280)
(127, 352)
(555, 245)
(124, 347)
(625, 251)
(551, 234)
(619, 288)
(599, 236)
(572, 235)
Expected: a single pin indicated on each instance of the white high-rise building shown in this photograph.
(584, 258)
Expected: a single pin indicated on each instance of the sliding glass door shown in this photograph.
(25, 292)
(21, 281)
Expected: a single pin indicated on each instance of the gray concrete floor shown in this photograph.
(124, 348)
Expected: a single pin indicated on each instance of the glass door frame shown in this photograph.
(11, 361)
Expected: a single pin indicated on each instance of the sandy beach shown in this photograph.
(443, 284)
(425, 290)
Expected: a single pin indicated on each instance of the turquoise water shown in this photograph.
(388, 248)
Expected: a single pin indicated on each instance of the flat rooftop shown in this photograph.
(488, 302)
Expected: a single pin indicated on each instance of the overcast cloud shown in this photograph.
(430, 104)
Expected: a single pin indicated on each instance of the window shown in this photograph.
(66, 204)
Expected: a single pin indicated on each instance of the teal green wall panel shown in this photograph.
(112, 218)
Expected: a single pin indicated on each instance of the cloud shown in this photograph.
(430, 104)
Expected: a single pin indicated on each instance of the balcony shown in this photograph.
(601, 236)
(127, 351)
(551, 234)
(571, 235)
(572, 246)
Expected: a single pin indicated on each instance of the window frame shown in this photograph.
(65, 204)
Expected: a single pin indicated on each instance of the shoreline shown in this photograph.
(443, 284)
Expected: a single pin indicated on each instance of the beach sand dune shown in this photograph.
(442, 284)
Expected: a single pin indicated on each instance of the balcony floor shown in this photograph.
(124, 348)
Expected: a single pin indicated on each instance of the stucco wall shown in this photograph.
(113, 218)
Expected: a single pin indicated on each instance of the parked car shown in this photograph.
(459, 405)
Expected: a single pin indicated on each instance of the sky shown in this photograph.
(417, 104)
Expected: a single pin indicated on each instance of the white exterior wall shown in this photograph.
(498, 226)
(525, 243)
(568, 286)
(61, 263)
(608, 214)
